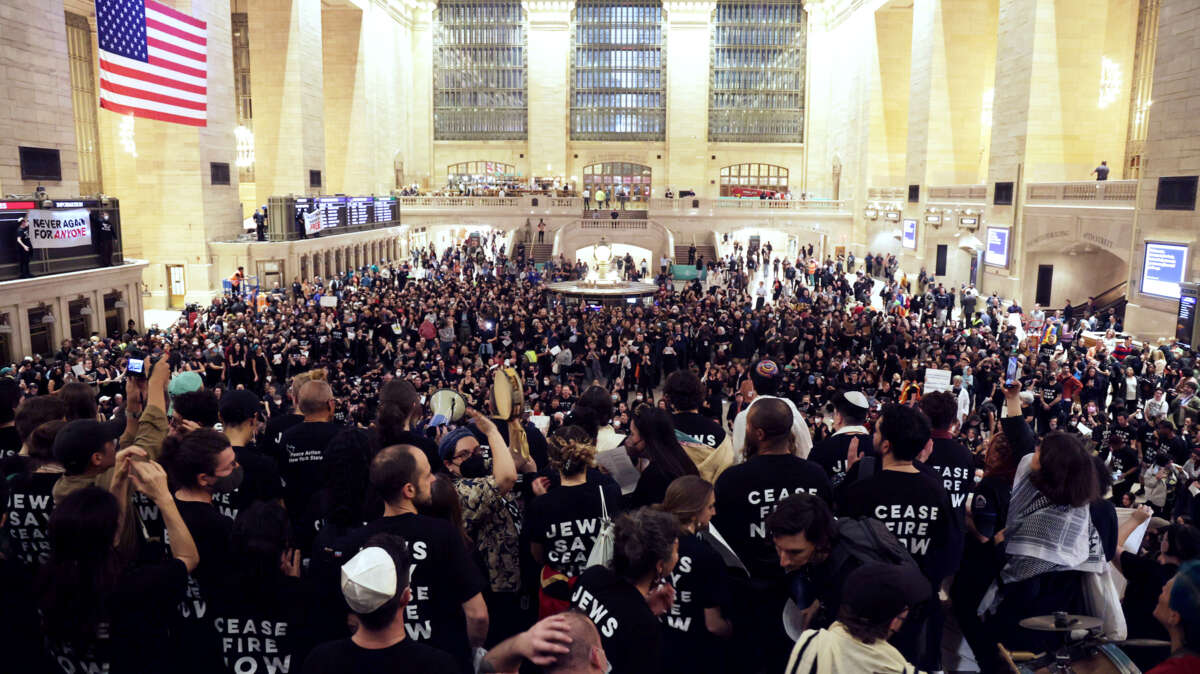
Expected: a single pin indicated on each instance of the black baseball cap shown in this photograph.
(80, 439)
(239, 405)
(879, 592)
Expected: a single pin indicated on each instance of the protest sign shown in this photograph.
(60, 229)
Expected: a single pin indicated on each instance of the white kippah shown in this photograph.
(857, 399)
(369, 580)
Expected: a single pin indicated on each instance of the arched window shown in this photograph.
(475, 173)
(752, 180)
(634, 178)
(757, 73)
(617, 79)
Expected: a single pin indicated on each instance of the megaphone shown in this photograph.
(447, 407)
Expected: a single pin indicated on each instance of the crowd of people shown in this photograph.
(750, 474)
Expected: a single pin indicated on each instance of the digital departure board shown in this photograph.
(358, 210)
(383, 210)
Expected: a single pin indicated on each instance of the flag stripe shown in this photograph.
(142, 85)
(151, 5)
(161, 62)
(150, 114)
(154, 70)
(165, 31)
(181, 88)
(139, 102)
(146, 95)
(171, 21)
(172, 48)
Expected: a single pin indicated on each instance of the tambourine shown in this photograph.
(448, 404)
(508, 398)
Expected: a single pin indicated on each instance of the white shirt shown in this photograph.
(964, 404)
(801, 439)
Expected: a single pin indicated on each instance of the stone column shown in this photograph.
(549, 83)
(346, 100)
(421, 96)
(687, 59)
(287, 78)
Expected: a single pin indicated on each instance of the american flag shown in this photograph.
(153, 61)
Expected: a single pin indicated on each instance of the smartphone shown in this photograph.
(1010, 376)
(136, 366)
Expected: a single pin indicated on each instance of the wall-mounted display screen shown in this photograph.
(995, 254)
(1164, 267)
(908, 235)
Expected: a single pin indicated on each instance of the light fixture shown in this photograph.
(244, 138)
(120, 304)
(1110, 82)
(48, 317)
(603, 252)
(125, 135)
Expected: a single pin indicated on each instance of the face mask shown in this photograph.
(474, 467)
(228, 483)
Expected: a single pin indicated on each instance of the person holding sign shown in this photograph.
(24, 247)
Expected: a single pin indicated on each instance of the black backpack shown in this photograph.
(866, 539)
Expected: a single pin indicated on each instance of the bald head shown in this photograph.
(586, 654)
(769, 426)
(315, 399)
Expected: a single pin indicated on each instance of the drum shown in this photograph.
(1093, 659)
(447, 404)
(508, 399)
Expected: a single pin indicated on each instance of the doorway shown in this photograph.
(1045, 276)
(940, 267)
(270, 275)
(176, 286)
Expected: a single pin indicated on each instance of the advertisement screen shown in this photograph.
(1164, 268)
(908, 236)
(996, 253)
(1185, 322)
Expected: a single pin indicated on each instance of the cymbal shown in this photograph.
(1047, 623)
(1147, 643)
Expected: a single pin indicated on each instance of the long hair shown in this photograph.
(261, 534)
(75, 583)
(686, 498)
(397, 399)
(661, 447)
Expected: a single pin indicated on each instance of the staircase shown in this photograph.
(540, 252)
(707, 250)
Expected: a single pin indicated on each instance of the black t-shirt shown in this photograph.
(565, 521)
(916, 508)
(700, 582)
(443, 578)
(304, 452)
(651, 486)
(10, 441)
(261, 482)
(196, 637)
(830, 454)
(747, 493)
(135, 638)
(989, 504)
(629, 632)
(29, 506)
(1146, 578)
(699, 429)
(953, 463)
(273, 435)
(262, 625)
(406, 657)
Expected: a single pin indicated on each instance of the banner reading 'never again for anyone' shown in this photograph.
(60, 229)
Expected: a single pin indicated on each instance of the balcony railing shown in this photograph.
(573, 206)
(613, 224)
(1107, 192)
(712, 206)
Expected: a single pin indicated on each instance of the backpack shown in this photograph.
(602, 549)
(866, 539)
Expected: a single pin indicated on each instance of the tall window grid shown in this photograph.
(757, 72)
(240, 25)
(618, 80)
(479, 74)
(83, 99)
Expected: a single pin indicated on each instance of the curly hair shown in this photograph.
(571, 450)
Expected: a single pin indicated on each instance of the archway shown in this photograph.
(608, 175)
